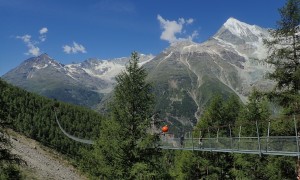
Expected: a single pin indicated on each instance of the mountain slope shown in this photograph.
(188, 74)
(41, 161)
(84, 83)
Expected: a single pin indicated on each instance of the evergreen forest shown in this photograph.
(126, 147)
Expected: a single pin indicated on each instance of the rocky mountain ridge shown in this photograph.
(230, 62)
(185, 75)
(75, 83)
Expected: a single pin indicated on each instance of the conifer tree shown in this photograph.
(126, 149)
(284, 55)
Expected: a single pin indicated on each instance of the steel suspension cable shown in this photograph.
(85, 141)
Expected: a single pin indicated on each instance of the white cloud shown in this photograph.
(42, 38)
(190, 21)
(67, 49)
(194, 35)
(170, 29)
(26, 38)
(43, 30)
(173, 28)
(74, 49)
(32, 48)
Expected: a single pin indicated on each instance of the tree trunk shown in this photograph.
(298, 169)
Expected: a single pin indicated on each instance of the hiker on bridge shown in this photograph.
(181, 141)
(201, 142)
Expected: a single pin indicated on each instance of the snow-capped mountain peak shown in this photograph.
(242, 29)
(245, 39)
(40, 62)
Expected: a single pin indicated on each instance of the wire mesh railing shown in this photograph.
(272, 145)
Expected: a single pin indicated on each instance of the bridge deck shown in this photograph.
(273, 145)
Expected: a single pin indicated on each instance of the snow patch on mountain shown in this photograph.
(229, 46)
(165, 58)
(105, 70)
(242, 29)
(38, 66)
(145, 59)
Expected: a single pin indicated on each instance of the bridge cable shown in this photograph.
(85, 141)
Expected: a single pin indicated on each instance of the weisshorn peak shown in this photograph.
(188, 74)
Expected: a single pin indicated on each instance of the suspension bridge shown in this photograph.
(261, 145)
(272, 145)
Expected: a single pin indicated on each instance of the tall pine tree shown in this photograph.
(284, 49)
(126, 149)
(284, 56)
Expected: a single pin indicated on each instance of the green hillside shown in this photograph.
(33, 116)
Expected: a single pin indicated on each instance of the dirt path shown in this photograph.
(42, 162)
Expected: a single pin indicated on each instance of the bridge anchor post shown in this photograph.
(297, 140)
(258, 138)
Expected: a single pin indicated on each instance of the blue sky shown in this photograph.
(74, 30)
